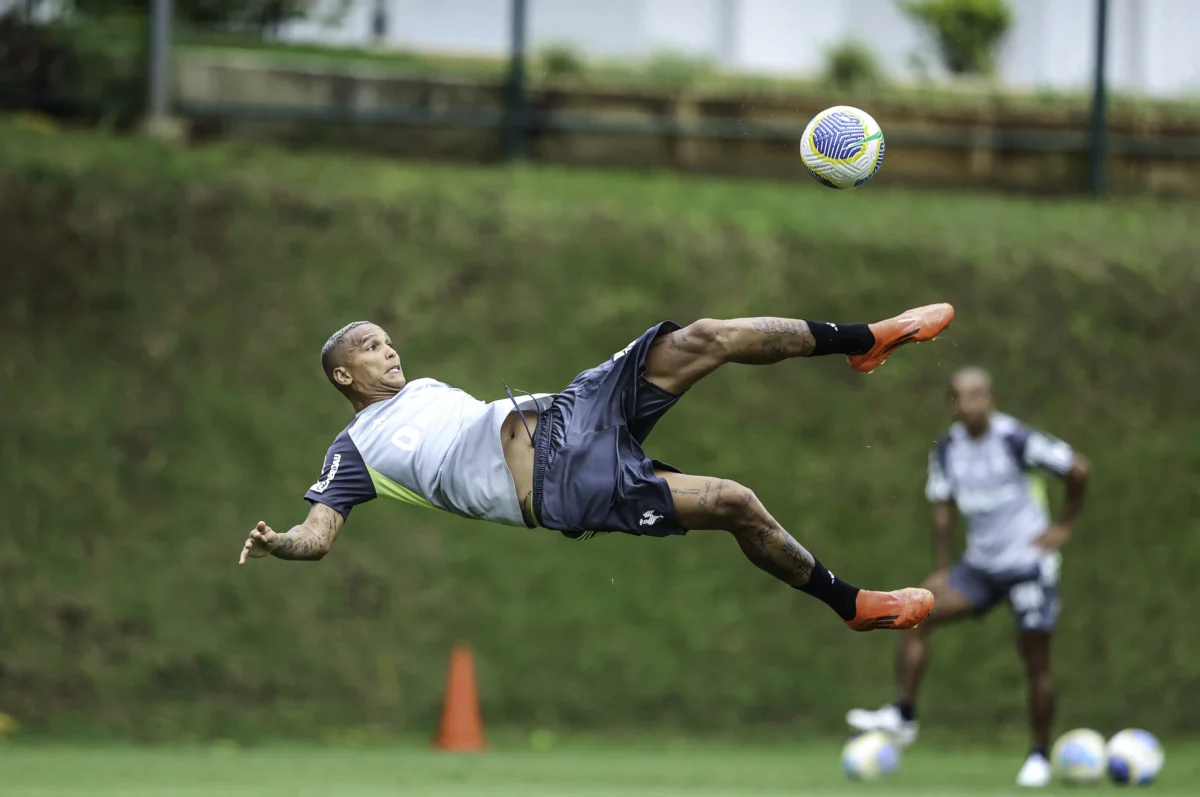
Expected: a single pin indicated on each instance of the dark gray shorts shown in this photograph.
(589, 471)
(1033, 595)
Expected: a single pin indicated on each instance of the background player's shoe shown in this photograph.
(885, 720)
(896, 611)
(913, 326)
(1035, 773)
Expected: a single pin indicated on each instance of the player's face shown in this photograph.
(372, 359)
(971, 399)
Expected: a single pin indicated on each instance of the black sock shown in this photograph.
(1043, 750)
(837, 594)
(907, 712)
(840, 338)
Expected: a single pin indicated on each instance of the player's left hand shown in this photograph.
(1054, 537)
(261, 542)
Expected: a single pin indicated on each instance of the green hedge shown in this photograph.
(80, 69)
(162, 311)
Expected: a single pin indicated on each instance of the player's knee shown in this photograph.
(707, 335)
(736, 506)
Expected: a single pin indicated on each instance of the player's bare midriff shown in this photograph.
(518, 455)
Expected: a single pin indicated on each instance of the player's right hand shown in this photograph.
(261, 542)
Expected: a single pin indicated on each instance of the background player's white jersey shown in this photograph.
(430, 445)
(990, 480)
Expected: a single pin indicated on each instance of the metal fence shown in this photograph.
(517, 120)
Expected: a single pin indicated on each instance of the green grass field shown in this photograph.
(704, 770)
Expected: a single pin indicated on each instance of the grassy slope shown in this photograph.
(165, 308)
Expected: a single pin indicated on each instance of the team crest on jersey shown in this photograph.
(320, 486)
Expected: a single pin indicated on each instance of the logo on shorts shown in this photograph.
(649, 518)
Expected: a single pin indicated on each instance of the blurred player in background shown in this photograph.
(574, 461)
(984, 468)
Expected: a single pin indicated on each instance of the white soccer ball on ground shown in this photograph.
(1080, 756)
(1134, 756)
(842, 147)
(870, 756)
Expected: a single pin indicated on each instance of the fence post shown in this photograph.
(1099, 150)
(727, 33)
(157, 119)
(515, 119)
(158, 82)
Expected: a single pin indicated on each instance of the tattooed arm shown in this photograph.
(311, 540)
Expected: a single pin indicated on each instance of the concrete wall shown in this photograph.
(1152, 47)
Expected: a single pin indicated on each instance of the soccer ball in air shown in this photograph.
(1080, 756)
(1134, 756)
(842, 147)
(870, 756)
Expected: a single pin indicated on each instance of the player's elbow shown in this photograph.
(943, 512)
(1080, 470)
(322, 547)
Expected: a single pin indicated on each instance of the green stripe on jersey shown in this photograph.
(1037, 488)
(390, 489)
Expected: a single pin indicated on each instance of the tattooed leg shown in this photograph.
(679, 359)
(707, 503)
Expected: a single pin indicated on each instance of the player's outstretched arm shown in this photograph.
(311, 540)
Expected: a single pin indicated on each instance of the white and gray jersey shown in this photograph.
(430, 445)
(991, 480)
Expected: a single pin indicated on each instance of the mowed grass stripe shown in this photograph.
(705, 771)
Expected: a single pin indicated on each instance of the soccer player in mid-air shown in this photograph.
(573, 461)
(984, 468)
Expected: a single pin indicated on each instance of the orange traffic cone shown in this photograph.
(461, 728)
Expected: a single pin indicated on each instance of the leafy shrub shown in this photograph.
(561, 61)
(79, 67)
(678, 70)
(852, 64)
(968, 31)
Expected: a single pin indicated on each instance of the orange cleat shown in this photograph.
(896, 611)
(914, 326)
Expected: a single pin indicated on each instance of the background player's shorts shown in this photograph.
(589, 471)
(1033, 596)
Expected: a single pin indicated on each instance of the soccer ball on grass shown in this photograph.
(1134, 756)
(870, 756)
(1080, 757)
(842, 147)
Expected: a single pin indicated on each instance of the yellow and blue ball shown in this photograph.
(870, 756)
(1080, 756)
(842, 147)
